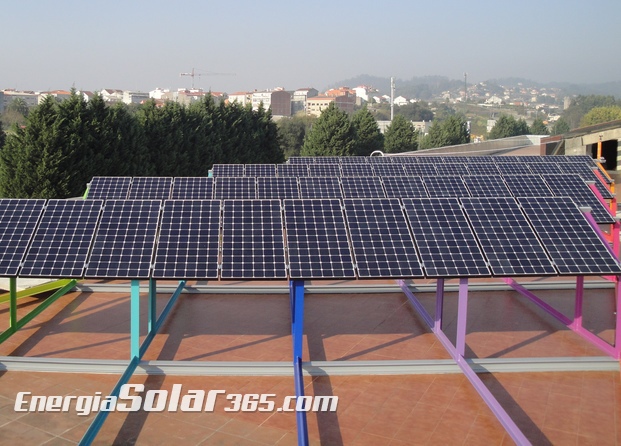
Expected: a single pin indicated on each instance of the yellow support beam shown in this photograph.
(37, 289)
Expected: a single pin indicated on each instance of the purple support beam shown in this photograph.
(505, 419)
(540, 303)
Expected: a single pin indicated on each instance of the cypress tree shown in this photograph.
(331, 135)
(368, 135)
(400, 136)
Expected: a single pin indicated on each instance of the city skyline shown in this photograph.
(142, 45)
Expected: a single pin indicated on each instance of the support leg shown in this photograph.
(577, 322)
(135, 320)
(13, 303)
(462, 317)
(437, 325)
(152, 305)
(297, 330)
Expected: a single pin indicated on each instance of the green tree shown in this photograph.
(2, 136)
(292, 132)
(599, 115)
(539, 128)
(560, 126)
(368, 135)
(581, 105)
(507, 126)
(331, 135)
(400, 136)
(452, 131)
(18, 105)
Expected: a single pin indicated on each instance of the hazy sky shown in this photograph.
(140, 44)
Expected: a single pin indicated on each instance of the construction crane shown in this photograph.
(193, 73)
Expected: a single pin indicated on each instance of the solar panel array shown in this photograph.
(353, 223)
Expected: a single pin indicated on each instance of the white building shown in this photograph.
(134, 97)
(111, 95)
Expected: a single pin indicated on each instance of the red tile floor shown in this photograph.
(549, 407)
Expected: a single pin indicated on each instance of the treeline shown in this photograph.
(63, 145)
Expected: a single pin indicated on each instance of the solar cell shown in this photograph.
(447, 245)
(227, 170)
(483, 169)
(452, 169)
(571, 242)
(445, 186)
(260, 170)
(192, 188)
(544, 168)
(109, 188)
(402, 187)
(292, 170)
(362, 187)
(420, 169)
(277, 188)
(571, 185)
(486, 186)
(506, 238)
(317, 240)
(324, 170)
(380, 238)
(587, 173)
(150, 188)
(61, 243)
(320, 187)
(18, 220)
(389, 170)
(356, 170)
(252, 240)
(125, 240)
(240, 188)
(187, 245)
(527, 186)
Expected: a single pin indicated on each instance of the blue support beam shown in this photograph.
(296, 295)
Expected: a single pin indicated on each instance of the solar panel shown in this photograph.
(568, 237)
(430, 159)
(260, 170)
(587, 173)
(571, 185)
(317, 240)
(277, 188)
(507, 159)
(420, 169)
(61, 243)
(506, 238)
(192, 188)
(252, 240)
(452, 169)
(389, 170)
(18, 220)
(446, 243)
(187, 246)
(240, 188)
(527, 186)
(544, 168)
(326, 160)
(486, 186)
(150, 188)
(301, 160)
(109, 188)
(125, 240)
(483, 169)
(380, 159)
(320, 187)
(513, 169)
(356, 170)
(402, 187)
(344, 160)
(292, 170)
(362, 187)
(380, 238)
(324, 170)
(227, 170)
(446, 186)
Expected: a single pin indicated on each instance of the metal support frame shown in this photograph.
(14, 323)
(137, 350)
(296, 296)
(615, 228)
(457, 350)
(575, 323)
